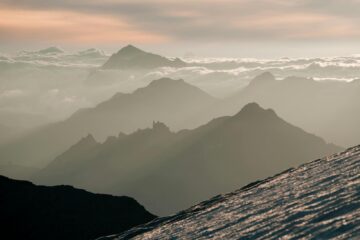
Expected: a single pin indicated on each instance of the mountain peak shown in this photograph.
(263, 78)
(159, 126)
(254, 110)
(130, 49)
(89, 139)
(166, 81)
(130, 57)
(252, 107)
(51, 50)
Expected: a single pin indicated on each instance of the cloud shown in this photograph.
(69, 26)
(163, 21)
(13, 93)
(54, 57)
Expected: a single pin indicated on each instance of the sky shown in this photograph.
(230, 28)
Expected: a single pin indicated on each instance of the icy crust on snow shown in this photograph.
(318, 200)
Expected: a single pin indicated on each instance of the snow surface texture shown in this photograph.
(318, 200)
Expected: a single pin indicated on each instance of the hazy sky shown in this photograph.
(245, 28)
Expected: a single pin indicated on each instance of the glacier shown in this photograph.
(317, 200)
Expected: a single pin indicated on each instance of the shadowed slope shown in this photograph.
(317, 200)
(63, 212)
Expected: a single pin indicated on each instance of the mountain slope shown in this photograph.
(170, 171)
(295, 97)
(131, 57)
(317, 200)
(63, 212)
(172, 101)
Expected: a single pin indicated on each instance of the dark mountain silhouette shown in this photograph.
(317, 200)
(63, 212)
(172, 101)
(131, 57)
(316, 106)
(170, 171)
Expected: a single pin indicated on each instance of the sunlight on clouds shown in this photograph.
(71, 26)
(175, 27)
(298, 25)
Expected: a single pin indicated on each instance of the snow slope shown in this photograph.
(317, 200)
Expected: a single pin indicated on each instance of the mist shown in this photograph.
(198, 119)
(50, 84)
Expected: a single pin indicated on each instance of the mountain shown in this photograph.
(91, 53)
(131, 57)
(45, 51)
(63, 212)
(316, 106)
(51, 50)
(175, 102)
(317, 200)
(170, 171)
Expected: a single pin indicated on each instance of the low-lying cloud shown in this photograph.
(54, 83)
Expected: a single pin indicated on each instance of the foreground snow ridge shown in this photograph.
(318, 200)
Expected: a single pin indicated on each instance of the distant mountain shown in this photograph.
(169, 171)
(45, 51)
(317, 200)
(91, 53)
(51, 50)
(131, 57)
(63, 212)
(175, 102)
(316, 106)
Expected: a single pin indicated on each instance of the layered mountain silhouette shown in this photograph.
(329, 109)
(175, 102)
(170, 171)
(317, 200)
(63, 212)
(131, 57)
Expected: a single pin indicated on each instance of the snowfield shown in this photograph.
(317, 200)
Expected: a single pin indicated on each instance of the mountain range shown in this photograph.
(183, 106)
(316, 106)
(327, 100)
(170, 145)
(63, 212)
(175, 102)
(317, 200)
(169, 171)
